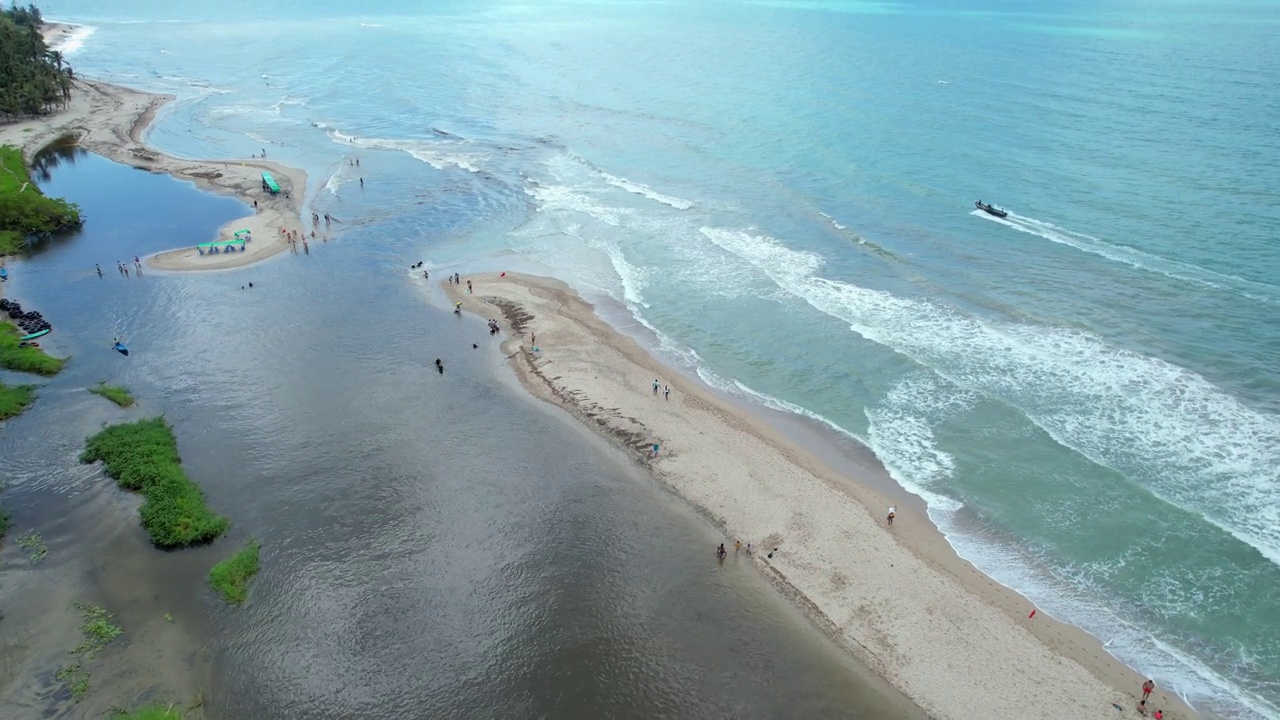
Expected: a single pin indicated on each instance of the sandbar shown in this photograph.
(954, 641)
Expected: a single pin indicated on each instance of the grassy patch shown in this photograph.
(24, 210)
(231, 576)
(28, 359)
(143, 457)
(14, 399)
(114, 393)
(98, 630)
(34, 544)
(5, 523)
(152, 712)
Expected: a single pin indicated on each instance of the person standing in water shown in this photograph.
(98, 267)
(720, 552)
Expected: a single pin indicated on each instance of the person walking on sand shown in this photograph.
(468, 287)
(1147, 688)
(655, 449)
(666, 392)
(893, 512)
(737, 545)
(655, 387)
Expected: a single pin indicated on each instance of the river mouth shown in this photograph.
(433, 544)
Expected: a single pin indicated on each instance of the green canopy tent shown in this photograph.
(269, 184)
(220, 246)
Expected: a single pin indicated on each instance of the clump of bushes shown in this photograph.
(231, 576)
(14, 399)
(114, 393)
(152, 712)
(143, 457)
(25, 359)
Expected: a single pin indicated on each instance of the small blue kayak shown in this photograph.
(122, 349)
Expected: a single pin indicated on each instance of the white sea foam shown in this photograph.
(1186, 440)
(900, 432)
(646, 191)
(74, 40)
(438, 154)
(559, 198)
(833, 222)
(1136, 258)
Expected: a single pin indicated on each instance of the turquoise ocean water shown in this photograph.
(1087, 393)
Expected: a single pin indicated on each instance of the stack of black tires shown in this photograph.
(30, 322)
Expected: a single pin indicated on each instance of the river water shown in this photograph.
(433, 545)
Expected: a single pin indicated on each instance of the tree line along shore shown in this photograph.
(34, 80)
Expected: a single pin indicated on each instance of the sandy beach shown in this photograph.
(111, 120)
(899, 599)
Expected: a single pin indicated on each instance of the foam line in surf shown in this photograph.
(74, 40)
(439, 154)
(645, 191)
(1136, 258)
(1184, 439)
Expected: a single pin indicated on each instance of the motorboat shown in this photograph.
(991, 209)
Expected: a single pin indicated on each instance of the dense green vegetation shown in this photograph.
(14, 399)
(5, 523)
(143, 457)
(25, 359)
(152, 712)
(231, 576)
(25, 212)
(34, 80)
(114, 393)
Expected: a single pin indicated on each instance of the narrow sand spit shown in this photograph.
(953, 640)
(109, 120)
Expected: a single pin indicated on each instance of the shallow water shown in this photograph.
(433, 545)
(1086, 393)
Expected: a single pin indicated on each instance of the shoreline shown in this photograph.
(111, 120)
(902, 601)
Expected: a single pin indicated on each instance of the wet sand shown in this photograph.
(954, 641)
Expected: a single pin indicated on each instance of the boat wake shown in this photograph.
(1137, 259)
